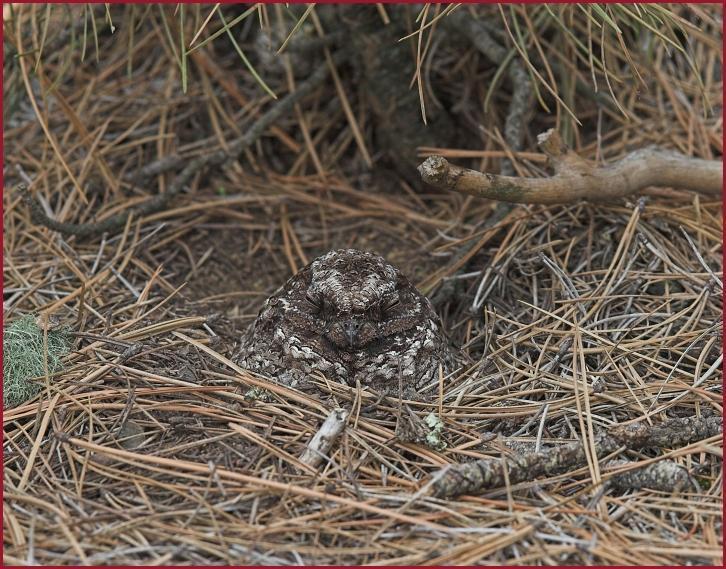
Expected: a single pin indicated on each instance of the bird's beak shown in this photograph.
(351, 332)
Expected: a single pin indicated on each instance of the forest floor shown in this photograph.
(151, 446)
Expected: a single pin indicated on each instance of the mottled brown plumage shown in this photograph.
(353, 317)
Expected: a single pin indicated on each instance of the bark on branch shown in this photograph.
(576, 179)
(480, 475)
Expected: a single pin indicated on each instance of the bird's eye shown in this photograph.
(314, 302)
(389, 304)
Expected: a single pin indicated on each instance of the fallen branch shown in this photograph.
(321, 443)
(577, 179)
(216, 158)
(480, 475)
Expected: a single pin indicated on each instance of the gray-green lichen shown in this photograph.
(24, 355)
(258, 394)
(436, 427)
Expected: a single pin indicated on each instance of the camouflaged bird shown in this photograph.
(351, 316)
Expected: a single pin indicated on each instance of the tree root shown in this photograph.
(485, 474)
(216, 158)
(576, 179)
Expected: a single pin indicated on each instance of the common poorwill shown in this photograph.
(353, 317)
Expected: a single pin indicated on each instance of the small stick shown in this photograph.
(576, 179)
(325, 438)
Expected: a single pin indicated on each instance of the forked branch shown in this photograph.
(576, 179)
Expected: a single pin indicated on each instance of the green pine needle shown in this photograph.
(24, 354)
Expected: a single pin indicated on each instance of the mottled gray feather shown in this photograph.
(353, 317)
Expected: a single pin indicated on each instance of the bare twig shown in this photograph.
(490, 473)
(575, 179)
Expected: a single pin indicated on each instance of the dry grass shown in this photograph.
(150, 448)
